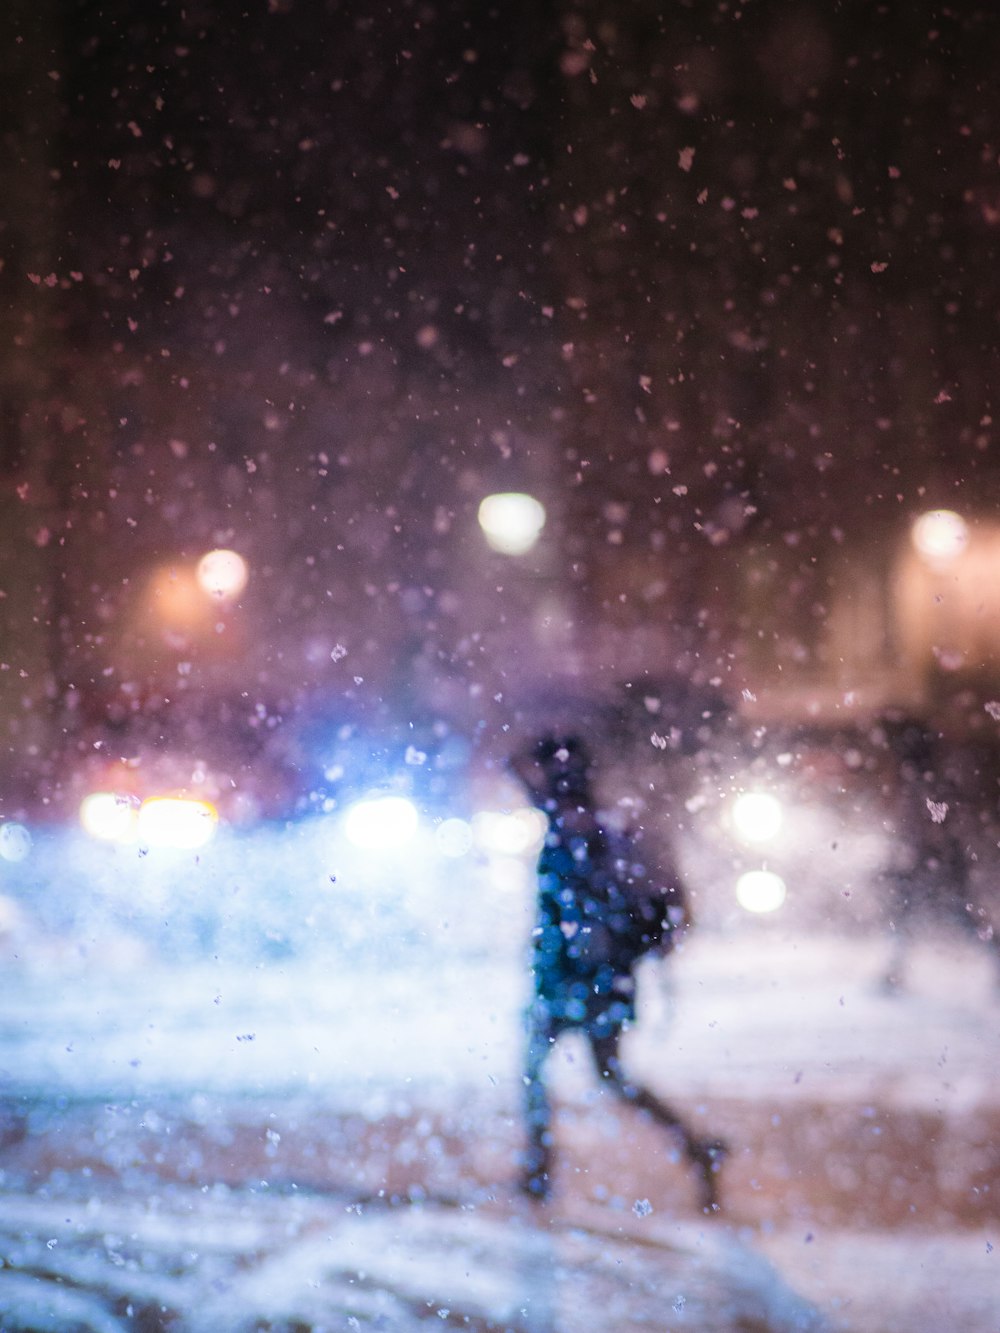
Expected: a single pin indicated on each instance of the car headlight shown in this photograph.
(176, 821)
(760, 891)
(381, 821)
(159, 821)
(757, 816)
(109, 816)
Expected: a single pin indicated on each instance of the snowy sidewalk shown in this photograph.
(221, 1262)
(865, 1132)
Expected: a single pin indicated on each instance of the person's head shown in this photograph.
(556, 768)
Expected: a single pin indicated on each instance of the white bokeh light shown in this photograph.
(222, 574)
(381, 822)
(109, 816)
(940, 534)
(760, 891)
(511, 521)
(174, 821)
(453, 837)
(757, 816)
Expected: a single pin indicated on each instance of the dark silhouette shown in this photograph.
(599, 912)
(928, 874)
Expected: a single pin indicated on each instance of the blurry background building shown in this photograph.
(713, 283)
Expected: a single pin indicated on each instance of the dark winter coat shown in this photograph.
(599, 912)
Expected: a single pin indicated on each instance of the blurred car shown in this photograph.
(793, 828)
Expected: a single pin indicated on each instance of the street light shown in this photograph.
(511, 521)
(940, 535)
(222, 574)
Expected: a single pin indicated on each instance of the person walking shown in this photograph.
(599, 912)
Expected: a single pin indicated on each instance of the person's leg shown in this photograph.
(537, 1161)
(704, 1154)
(898, 893)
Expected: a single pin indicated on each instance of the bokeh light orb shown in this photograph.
(510, 832)
(453, 837)
(381, 822)
(108, 816)
(511, 521)
(175, 599)
(176, 821)
(222, 573)
(940, 534)
(15, 842)
(760, 891)
(757, 816)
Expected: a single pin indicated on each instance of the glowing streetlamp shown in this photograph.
(511, 521)
(940, 535)
(222, 574)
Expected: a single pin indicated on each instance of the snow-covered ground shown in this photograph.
(213, 1265)
(238, 1036)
